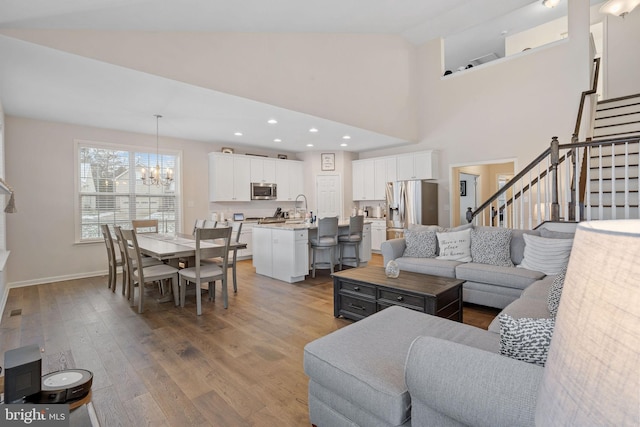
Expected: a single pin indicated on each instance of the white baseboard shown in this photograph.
(44, 280)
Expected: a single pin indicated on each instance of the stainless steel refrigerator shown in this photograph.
(410, 202)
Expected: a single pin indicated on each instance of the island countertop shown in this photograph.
(299, 226)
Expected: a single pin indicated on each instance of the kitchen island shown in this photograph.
(281, 250)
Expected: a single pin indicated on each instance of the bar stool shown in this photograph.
(327, 238)
(356, 224)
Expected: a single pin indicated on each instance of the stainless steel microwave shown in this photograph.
(263, 191)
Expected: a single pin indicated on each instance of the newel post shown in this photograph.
(555, 159)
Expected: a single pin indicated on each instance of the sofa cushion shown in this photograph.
(525, 339)
(509, 277)
(433, 266)
(555, 292)
(364, 362)
(455, 245)
(546, 255)
(517, 244)
(491, 245)
(420, 243)
(539, 290)
(522, 308)
(552, 234)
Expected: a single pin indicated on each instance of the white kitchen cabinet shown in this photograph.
(281, 253)
(363, 181)
(229, 178)
(378, 234)
(263, 170)
(290, 179)
(420, 165)
(384, 171)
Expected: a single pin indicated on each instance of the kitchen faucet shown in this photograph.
(295, 212)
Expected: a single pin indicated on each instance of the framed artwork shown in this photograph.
(463, 188)
(328, 161)
(282, 156)
(227, 150)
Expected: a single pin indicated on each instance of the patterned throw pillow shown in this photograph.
(555, 291)
(420, 243)
(455, 246)
(492, 246)
(526, 339)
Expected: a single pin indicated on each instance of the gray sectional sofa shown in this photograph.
(485, 284)
(400, 367)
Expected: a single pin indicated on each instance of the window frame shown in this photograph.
(132, 150)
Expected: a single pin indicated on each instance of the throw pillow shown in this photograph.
(549, 256)
(555, 291)
(556, 234)
(525, 339)
(420, 244)
(491, 246)
(455, 246)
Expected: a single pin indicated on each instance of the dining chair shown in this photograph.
(198, 224)
(354, 238)
(145, 225)
(152, 273)
(128, 267)
(207, 272)
(114, 259)
(210, 224)
(236, 229)
(326, 239)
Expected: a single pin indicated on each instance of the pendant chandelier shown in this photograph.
(155, 174)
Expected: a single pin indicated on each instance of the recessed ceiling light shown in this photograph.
(344, 144)
(313, 130)
(346, 137)
(238, 134)
(277, 140)
(272, 121)
(309, 145)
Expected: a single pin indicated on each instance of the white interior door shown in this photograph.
(329, 194)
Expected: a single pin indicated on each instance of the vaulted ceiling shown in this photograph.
(35, 83)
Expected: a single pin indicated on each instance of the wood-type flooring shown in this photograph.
(168, 367)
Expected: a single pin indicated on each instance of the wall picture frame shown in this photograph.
(463, 188)
(328, 161)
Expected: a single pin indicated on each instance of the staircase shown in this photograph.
(612, 175)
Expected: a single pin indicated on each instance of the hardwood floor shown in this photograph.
(235, 367)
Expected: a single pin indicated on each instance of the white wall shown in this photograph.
(621, 58)
(506, 109)
(4, 289)
(362, 80)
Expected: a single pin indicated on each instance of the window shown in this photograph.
(109, 193)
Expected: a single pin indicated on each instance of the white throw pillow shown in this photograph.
(455, 246)
(548, 256)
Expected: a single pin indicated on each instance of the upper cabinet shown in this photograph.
(363, 172)
(421, 165)
(231, 175)
(229, 178)
(263, 170)
(289, 178)
(370, 176)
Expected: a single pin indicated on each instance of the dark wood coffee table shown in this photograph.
(360, 292)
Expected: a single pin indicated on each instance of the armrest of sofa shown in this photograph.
(392, 249)
(469, 385)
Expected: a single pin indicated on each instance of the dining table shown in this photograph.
(179, 248)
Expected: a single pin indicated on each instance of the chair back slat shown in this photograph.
(145, 225)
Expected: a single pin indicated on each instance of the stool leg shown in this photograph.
(331, 258)
(313, 263)
(357, 254)
(341, 254)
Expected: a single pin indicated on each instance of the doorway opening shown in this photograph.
(482, 181)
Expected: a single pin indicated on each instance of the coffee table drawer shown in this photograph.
(357, 288)
(398, 298)
(355, 307)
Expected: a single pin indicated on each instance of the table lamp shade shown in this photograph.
(592, 374)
